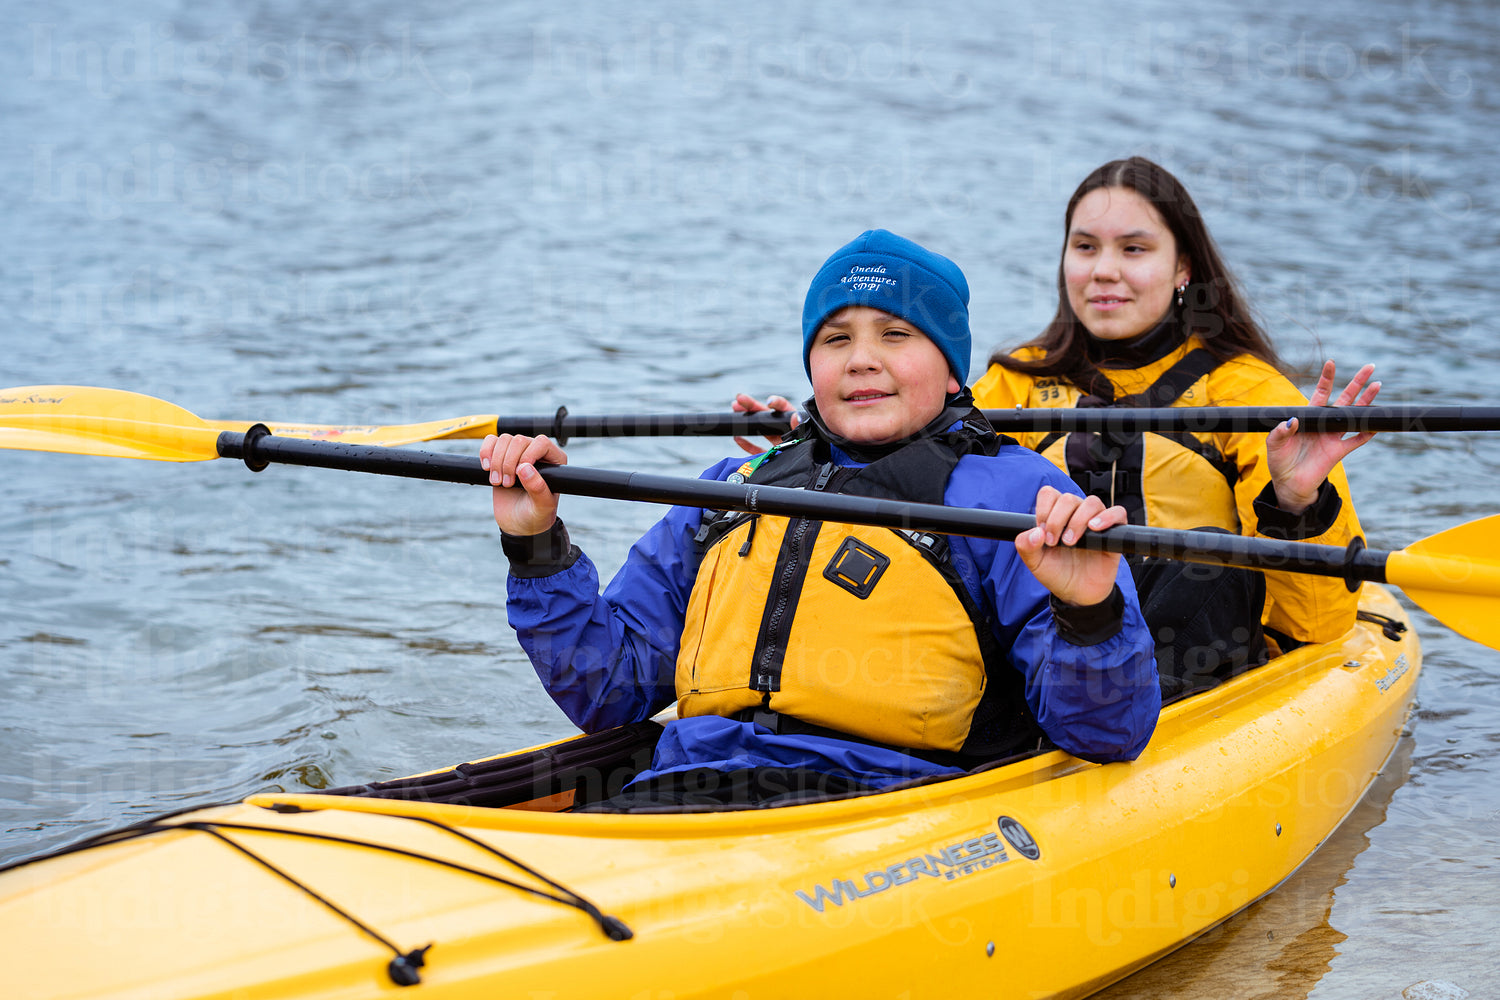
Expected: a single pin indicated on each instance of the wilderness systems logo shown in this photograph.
(952, 862)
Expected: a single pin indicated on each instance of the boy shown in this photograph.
(812, 658)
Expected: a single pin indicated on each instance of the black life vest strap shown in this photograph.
(919, 472)
(1176, 380)
(1111, 464)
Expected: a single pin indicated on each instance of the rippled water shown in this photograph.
(397, 212)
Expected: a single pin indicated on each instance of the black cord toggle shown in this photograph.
(615, 928)
(1390, 627)
(403, 968)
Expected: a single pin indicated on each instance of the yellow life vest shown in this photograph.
(1117, 466)
(858, 633)
(1306, 608)
(865, 631)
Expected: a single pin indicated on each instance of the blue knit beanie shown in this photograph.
(885, 271)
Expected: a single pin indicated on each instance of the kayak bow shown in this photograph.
(1045, 877)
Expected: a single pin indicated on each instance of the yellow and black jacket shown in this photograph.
(1192, 480)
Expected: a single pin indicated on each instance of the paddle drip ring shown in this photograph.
(1350, 555)
(253, 437)
(557, 432)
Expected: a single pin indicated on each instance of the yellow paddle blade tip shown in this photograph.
(158, 449)
(1455, 577)
(83, 420)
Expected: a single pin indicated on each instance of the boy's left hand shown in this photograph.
(1076, 576)
(744, 403)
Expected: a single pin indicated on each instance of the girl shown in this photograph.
(1148, 315)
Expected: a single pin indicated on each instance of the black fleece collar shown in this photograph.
(958, 407)
(1140, 350)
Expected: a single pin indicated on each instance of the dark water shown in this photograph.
(393, 212)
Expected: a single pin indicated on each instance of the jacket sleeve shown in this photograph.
(1096, 697)
(609, 658)
(1306, 608)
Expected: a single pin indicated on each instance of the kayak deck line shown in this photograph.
(403, 967)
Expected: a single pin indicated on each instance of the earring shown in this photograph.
(1180, 289)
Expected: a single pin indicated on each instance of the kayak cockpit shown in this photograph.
(572, 774)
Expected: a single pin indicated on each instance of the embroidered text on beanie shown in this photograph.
(887, 272)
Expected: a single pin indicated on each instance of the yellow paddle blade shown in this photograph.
(1455, 577)
(390, 436)
(81, 420)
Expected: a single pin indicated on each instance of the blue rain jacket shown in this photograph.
(609, 659)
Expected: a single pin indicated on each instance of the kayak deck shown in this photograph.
(1049, 876)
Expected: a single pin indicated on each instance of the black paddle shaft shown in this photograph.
(1202, 419)
(258, 448)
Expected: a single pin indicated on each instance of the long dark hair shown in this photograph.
(1213, 306)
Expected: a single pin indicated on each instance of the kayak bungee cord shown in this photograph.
(614, 928)
(403, 968)
(1389, 627)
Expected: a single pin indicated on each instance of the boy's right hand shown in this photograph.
(531, 507)
(1075, 576)
(749, 404)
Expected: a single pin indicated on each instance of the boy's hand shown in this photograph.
(1076, 576)
(749, 404)
(530, 508)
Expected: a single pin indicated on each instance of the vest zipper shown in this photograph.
(791, 570)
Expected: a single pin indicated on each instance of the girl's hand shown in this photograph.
(1075, 576)
(1300, 462)
(530, 507)
(749, 404)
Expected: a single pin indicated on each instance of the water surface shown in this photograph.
(400, 212)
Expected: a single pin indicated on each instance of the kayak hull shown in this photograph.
(1048, 877)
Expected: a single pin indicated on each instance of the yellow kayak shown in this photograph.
(1044, 877)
